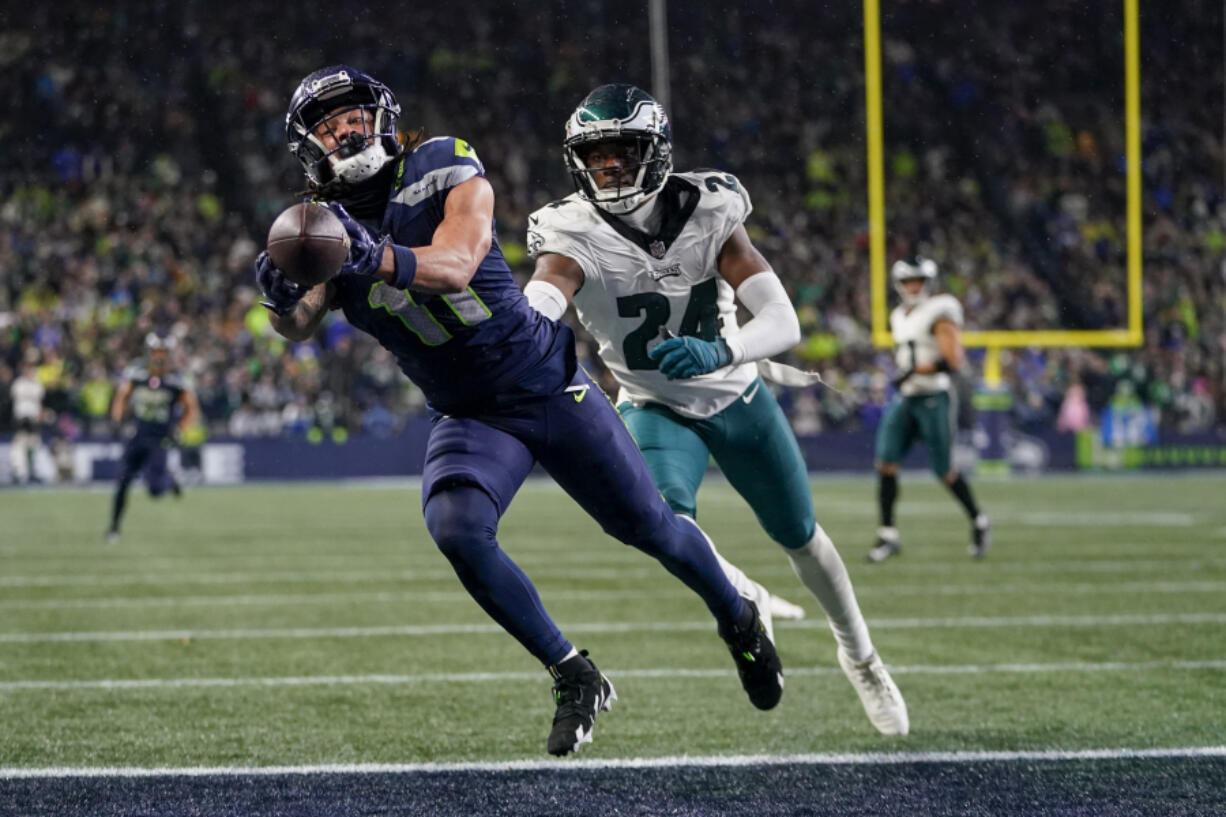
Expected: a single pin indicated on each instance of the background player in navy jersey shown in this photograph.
(162, 404)
(426, 277)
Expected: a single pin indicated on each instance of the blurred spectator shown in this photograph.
(160, 162)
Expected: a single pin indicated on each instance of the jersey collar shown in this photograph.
(678, 200)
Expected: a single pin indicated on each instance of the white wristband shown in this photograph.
(545, 298)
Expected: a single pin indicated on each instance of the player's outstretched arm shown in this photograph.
(554, 283)
(774, 327)
(301, 322)
(459, 244)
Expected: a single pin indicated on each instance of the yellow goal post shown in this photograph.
(996, 340)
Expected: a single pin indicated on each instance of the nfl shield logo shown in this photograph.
(657, 249)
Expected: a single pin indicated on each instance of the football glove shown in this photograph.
(690, 356)
(281, 294)
(902, 377)
(365, 251)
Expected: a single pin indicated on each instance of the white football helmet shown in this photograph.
(922, 268)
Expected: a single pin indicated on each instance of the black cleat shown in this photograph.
(757, 662)
(580, 691)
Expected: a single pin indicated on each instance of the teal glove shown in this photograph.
(690, 356)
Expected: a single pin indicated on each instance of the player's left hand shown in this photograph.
(365, 250)
(690, 356)
(281, 295)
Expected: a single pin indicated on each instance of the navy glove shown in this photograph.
(280, 293)
(365, 251)
(690, 356)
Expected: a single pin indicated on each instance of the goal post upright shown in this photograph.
(995, 341)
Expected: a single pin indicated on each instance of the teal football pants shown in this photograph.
(753, 445)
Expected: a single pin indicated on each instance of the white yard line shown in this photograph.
(684, 761)
(647, 571)
(796, 594)
(119, 684)
(949, 622)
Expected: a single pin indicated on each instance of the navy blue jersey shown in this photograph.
(468, 351)
(154, 401)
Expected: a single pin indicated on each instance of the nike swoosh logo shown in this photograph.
(748, 398)
(578, 392)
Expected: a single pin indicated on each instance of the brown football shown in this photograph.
(308, 243)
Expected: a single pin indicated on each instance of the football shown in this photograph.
(308, 243)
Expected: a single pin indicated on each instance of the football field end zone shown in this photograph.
(1171, 782)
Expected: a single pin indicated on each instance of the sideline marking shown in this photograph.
(576, 764)
(603, 627)
(502, 677)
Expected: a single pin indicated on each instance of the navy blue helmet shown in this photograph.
(324, 94)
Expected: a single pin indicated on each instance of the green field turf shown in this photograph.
(317, 624)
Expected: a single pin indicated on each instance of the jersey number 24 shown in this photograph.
(701, 320)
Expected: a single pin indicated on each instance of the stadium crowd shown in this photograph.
(135, 194)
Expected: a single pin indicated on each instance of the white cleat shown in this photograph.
(783, 609)
(882, 701)
(981, 537)
(771, 607)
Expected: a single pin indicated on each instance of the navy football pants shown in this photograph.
(578, 437)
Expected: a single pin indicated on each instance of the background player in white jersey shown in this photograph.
(27, 395)
(927, 348)
(652, 260)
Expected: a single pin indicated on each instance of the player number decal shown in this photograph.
(412, 314)
(727, 182)
(701, 320)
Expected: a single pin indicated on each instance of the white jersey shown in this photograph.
(916, 345)
(27, 395)
(636, 286)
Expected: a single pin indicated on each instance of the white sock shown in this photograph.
(745, 586)
(820, 568)
(888, 534)
(19, 457)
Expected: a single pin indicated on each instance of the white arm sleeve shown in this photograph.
(545, 298)
(774, 327)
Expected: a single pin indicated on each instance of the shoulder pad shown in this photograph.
(565, 214)
(445, 151)
(561, 227)
(721, 191)
(945, 306)
(135, 372)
